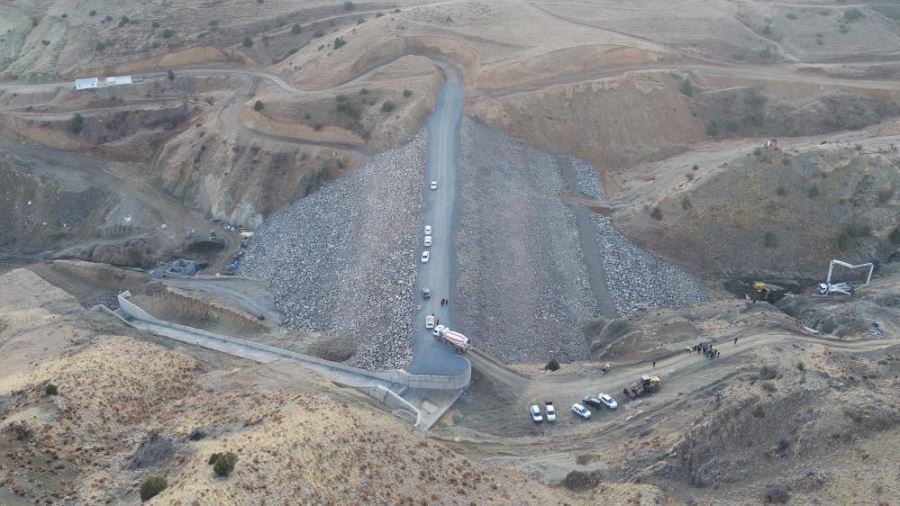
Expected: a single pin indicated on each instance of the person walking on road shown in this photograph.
(735, 341)
(654, 364)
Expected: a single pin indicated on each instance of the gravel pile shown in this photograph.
(343, 260)
(635, 279)
(108, 299)
(586, 180)
(522, 291)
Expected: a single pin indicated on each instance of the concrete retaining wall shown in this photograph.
(399, 377)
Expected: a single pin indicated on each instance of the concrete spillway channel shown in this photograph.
(423, 397)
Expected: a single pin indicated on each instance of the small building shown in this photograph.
(88, 83)
(118, 80)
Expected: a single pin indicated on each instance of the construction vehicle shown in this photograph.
(456, 339)
(761, 291)
(647, 385)
(844, 287)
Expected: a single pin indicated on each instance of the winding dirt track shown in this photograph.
(496, 425)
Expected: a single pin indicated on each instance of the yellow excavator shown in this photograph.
(760, 292)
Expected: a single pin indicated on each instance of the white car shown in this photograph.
(429, 322)
(550, 411)
(609, 401)
(425, 257)
(536, 413)
(427, 229)
(581, 411)
(427, 241)
(438, 330)
(434, 185)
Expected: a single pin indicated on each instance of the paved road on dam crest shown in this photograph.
(431, 356)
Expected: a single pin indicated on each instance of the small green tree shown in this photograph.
(51, 389)
(387, 106)
(77, 123)
(296, 29)
(687, 89)
(769, 240)
(407, 93)
(712, 128)
(258, 106)
(686, 203)
(155, 24)
(552, 365)
(152, 486)
(894, 236)
(223, 463)
(813, 191)
(339, 42)
(167, 33)
(247, 42)
(348, 6)
(170, 74)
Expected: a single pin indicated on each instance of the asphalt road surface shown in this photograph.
(430, 355)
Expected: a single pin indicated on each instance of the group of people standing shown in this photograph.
(707, 350)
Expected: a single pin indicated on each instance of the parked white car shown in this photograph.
(550, 411)
(536, 414)
(434, 185)
(429, 322)
(427, 241)
(427, 229)
(425, 257)
(609, 401)
(581, 411)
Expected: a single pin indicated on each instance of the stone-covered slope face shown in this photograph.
(772, 211)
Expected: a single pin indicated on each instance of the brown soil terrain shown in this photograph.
(240, 108)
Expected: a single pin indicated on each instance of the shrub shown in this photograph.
(258, 106)
(777, 494)
(695, 167)
(247, 42)
(780, 191)
(813, 191)
(686, 203)
(791, 16)
(265, 40)
(856, 230)
(318, 33)
(657, 213)
(712, 128)
(757, 151)
(687, 89)
(51, 389)
(349, 109)
(843, 241)
(123, 21)
(552, 365)
(767, 373)
(213, 22)
(100, 46)
(152, 486)
(766, 53)
(339, 42)
(731, 126)
(108, 18)
(77, 123)
(894, 236)
(758, 412)
(296, 29)
(387, 106)
(407, 93)
(223, 463)
(769, 240)
(341, 98)
(155, 24)
(767, 30)
(348, 6)
(801, 366)
(170, 74)
(167, 33)
(853, 14)
(92, 13)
